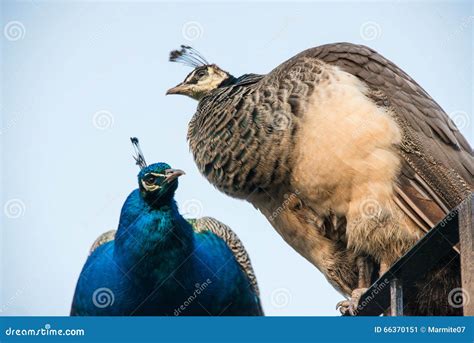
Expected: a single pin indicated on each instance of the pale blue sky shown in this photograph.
(66, 63)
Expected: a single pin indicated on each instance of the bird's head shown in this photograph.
(202, 80)
(157, 182)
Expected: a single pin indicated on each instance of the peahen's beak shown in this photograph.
(173, 174)
(179, 89)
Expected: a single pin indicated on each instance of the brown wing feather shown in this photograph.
(438, 169)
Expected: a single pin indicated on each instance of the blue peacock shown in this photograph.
(158, 263)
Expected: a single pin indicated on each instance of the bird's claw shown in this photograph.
(348, 307)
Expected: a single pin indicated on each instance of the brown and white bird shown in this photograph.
(347, 156)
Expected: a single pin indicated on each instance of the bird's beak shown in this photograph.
(173, 174)
(179, 89)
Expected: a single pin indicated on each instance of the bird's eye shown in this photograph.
(150, 180)
(200, 74)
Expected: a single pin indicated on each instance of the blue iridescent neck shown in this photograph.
(150, 237)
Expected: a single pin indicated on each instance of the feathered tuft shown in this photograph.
(139, 158)
(188, 56)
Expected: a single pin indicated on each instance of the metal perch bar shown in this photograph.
(424, 255)
(396, 297)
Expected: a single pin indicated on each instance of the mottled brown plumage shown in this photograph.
(331, 131)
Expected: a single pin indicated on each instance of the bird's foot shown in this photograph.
(348, 307)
